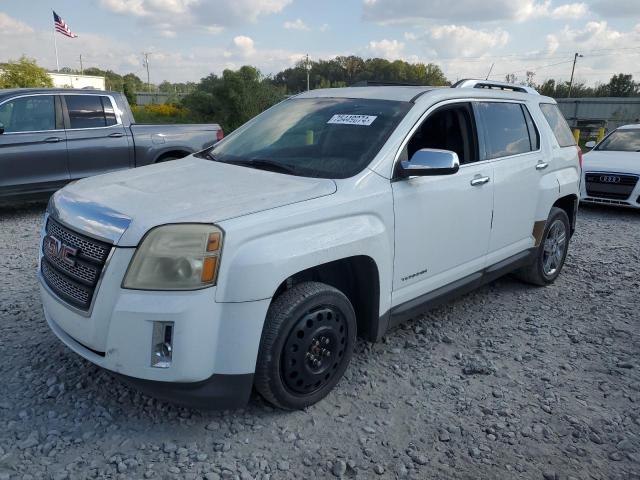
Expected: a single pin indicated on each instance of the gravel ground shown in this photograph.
(511, 381)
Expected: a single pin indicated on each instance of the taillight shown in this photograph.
(220, 136)
(579, 156)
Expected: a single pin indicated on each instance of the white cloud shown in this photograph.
(461, 41)
(597, 41)
(196, 12)
(244, 45)
(569, 11)
(297, 24)
(11, 26)
(389, 49)
(421, 11)
(324, 27)
(122, 57)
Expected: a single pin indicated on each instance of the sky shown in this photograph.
(188, 39)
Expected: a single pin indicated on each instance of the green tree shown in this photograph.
(622, 85)
(233, 98)
(349, 70)
(23, 73)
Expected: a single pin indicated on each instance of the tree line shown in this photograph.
(235, 96)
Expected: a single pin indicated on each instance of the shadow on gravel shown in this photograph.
(33, 207)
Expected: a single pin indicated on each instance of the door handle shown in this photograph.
(476, 182)
(52, 139)
(116, 135)
(542, 165)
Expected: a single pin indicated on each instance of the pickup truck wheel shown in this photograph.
(551, 252)
(306, 345)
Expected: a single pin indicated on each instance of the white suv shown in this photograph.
(336, 213)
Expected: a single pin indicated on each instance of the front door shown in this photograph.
(96, 139)
(442, 223)
(33, 150)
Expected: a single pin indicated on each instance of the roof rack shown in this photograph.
(491, 84)
(376, 83)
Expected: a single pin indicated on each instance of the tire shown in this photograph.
(545, 269)
(306, 345)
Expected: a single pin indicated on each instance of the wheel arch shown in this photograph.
(358, 278)
(569, 203)
(173, 153)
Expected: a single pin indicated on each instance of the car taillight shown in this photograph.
(580, 156)
(220, 136)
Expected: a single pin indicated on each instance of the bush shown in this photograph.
(24, 73)
(164, 113)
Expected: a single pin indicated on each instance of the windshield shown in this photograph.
(316, 137)
(622, 141)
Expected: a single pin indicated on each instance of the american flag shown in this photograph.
(62, 27)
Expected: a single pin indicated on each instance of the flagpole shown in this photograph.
(55, 45)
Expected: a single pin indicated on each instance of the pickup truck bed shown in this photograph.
(50, 137)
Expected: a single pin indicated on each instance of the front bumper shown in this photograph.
(632, 201)
(215, 345)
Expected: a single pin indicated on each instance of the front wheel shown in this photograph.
(552, 251)
(306, 345)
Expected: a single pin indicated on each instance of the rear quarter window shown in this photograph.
(558, 124)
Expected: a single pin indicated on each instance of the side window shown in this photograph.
(506, 131)
(109, 113)
(29, 114)
(558, 124)
(451, 127)
(534, 135)
(88, 111)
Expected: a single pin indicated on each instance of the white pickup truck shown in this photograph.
(335, 213)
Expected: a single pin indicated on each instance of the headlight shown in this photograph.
(176, 257)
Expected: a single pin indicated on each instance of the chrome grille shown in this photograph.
(613, 186)
(66, 289)
(88, 248)
(74, 278)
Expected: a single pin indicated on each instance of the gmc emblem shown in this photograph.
(54, 248)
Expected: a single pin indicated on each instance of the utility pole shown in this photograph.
(307, 67)
(573, 69)
(81, 68)
(146, 64)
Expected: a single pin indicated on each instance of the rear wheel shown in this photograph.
(306, 345)
(551, 252)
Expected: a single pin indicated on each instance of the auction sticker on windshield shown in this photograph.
(344, 119)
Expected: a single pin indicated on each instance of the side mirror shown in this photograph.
(590, 144)
(430, 161)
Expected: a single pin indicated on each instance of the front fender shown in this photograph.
(255, 269)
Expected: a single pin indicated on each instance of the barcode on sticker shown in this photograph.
(344, 119)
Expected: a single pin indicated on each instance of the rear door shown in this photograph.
(97, 141)
(512, 144)
(33, 151)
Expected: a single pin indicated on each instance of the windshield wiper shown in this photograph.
(264, 164)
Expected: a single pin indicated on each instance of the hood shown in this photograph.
(618, 162)
(122, 206)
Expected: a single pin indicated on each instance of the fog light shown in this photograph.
(162, 344)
